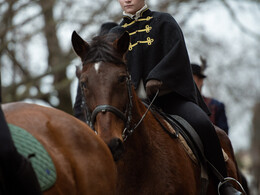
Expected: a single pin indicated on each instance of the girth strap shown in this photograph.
(105, 108)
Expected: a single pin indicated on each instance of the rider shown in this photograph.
(218, 114)
(78, 112)
(158, 58)
(16, 173)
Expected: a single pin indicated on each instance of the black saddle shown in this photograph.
(181, 126)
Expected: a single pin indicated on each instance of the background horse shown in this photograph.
(149, 160)
(83, 162)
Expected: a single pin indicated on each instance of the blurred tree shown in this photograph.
(36, 55)
(32, 50)
(256, 148)
(24, 22)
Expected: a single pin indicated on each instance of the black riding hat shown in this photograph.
(196, 70)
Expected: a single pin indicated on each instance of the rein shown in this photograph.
(127, 118)
(142, 118)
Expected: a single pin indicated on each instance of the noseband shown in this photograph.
(126, 117)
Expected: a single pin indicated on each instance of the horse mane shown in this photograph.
(102, 49)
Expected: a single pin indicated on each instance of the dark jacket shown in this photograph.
(218, 115)
(158, 51)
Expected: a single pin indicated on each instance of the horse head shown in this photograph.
(106, 88)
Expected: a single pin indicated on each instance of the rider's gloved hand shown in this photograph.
(152, 86)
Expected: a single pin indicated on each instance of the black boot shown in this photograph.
(226, 188)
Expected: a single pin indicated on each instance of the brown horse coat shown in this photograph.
(84, 164)
(149, 161)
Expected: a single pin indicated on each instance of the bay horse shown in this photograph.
(148, 160)
(83, 162)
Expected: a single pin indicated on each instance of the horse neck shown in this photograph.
(140, 144)
(143, 132)
(138, 108)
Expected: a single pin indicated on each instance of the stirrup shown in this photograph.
(227, 179)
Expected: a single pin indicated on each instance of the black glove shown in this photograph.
(152, 86)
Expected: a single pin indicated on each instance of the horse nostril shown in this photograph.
(116, 147)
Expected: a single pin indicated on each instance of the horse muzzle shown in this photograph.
(116, 147)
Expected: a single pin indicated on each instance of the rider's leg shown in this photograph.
(17, 173)
(191, 112)
(202, 125)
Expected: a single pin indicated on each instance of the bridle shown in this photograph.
(90, 117)
(126, 117)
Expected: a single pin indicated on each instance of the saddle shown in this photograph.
(31, 148)
(177, 127)
(185, 131)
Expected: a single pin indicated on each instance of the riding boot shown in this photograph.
(228, 189)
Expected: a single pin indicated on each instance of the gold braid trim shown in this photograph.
(149, 41)
(138, 20)
(147, 29)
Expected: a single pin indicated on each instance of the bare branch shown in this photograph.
(239, 24)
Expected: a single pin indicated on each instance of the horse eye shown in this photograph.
(122, 79)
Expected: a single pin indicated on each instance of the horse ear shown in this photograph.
(80, 46)
(122, 43)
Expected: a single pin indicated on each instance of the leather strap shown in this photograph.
(105, 108)
(189, 130)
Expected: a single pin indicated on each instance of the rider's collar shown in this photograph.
(137, 15)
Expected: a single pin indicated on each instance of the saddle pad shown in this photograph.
(41, 162)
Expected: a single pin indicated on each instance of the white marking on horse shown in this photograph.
(97, 66)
